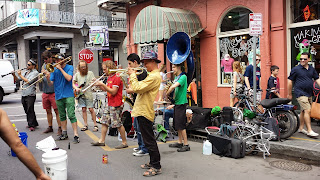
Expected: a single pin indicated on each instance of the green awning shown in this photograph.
(155, 23)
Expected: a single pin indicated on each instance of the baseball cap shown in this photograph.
(151, 55)
(226, 56)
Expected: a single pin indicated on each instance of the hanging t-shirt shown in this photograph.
(115, 100)
(273, 82)
(180, 92)
(62, 87)
(227, 64)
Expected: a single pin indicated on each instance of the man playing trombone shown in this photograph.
(61, 78)
(29, 94)
(48, 95)
(83, 78)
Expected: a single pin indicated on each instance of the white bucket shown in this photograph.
(55, 164)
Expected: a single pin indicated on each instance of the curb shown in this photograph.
(294, 151)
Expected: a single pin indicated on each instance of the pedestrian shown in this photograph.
(147, 91)
(29, 92)
(237, 82)
(61, 79)
(112, 114)
(48, 95)
(303, 76)
(9, 135)
(248, 75)
(273, 87)
(82, 79)
(134, 62)
(180, 100)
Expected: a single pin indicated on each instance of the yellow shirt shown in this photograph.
(147, 91)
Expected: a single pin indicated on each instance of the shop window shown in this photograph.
(235, 19)
(143, 48)
(305, 10)
(235, 43)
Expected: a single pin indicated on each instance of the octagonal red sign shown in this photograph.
(87, 55)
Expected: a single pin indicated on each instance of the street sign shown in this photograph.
(255, 24)
(58, 45)
(9, 56)
(87, 55)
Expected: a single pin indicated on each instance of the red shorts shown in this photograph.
(48, 101)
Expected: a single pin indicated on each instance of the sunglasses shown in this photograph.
(258, 59)
(303, 59)
(29, 64)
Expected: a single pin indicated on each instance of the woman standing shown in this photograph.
(163, 83)
(237, 82)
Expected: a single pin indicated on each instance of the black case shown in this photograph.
(238, 148)
(227, 115)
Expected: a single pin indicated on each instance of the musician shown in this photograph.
(29, 95)
(180, 86)
(48, 95)
(83, 78)
(134, 62)
(112, 114)
(61, 79)
(147, 91)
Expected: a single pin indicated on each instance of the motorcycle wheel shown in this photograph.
(287, 123)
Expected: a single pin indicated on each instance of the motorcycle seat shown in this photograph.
(269, 103)
(259, 123)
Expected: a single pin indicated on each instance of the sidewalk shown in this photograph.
(299, 146)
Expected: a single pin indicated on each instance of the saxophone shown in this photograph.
(125, 98)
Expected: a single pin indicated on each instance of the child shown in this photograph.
(273, 83)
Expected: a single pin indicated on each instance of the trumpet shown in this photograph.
(11, 72)
(125, 71)
(41, 76)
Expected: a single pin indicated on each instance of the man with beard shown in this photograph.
(83, 78)
(48, 95)
(61, 78)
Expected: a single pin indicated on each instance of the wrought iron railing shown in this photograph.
(60, 17)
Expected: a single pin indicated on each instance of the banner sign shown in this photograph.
(99, 35)
(28, 17)
(48, 1)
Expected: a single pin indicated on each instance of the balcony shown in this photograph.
(67, 19)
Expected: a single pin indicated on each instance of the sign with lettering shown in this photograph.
(255, 24)
(87, 55)
(9, 56)
(99, 35)
(27, 17)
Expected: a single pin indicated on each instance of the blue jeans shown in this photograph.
(168, 113)
(140, 140)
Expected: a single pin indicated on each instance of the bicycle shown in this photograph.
(256, 136)
(98, 106)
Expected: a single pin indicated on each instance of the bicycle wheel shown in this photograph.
(287, 123)
(243, 132)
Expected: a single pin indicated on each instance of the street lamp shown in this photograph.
(84, 29)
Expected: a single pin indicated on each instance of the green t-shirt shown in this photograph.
(180, 92)
(80, 80)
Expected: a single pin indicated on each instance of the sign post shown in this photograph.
(87, 55)
(255, 25)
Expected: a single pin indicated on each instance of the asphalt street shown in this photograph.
(85, 161)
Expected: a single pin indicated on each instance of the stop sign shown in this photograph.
(87, 55)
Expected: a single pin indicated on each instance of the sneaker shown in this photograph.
(49, 129)
(31, 129)
(76, 140)
(62, 137)
(312, 134)
(59, 131)
(303, 131)
(136, 149)
(184, 148)
(176, 145)
(140, 153)
(121, 146)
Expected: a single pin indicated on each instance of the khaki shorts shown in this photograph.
(304, 102)
(112, 116)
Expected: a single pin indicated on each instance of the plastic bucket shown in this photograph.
(24, 139)
(55, 164)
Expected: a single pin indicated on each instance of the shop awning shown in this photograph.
(124, 45)
(155, 23)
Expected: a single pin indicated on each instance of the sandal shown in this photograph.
(95, 129)
(84, 128)
(146, 166)
(152, 172)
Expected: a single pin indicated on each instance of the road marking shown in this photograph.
(305, 139)
(38, 119)
(106, 147)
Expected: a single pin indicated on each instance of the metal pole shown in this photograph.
(39, 53)
(254, 47)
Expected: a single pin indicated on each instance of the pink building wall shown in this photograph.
(210, 12)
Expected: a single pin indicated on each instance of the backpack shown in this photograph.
(273, 126)
(225, 130)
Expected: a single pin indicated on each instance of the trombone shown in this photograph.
(41, 76)
(12, 72)
(125, 71)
